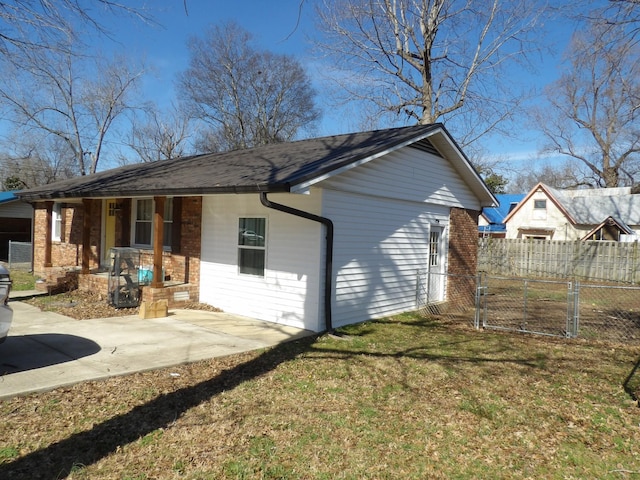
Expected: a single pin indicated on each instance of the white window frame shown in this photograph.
(539, 213)
(168, 222)
(262, 248)
(56, 222)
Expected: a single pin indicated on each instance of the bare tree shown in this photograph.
(595, 106)
(63, 95)
(565, 175)
(55, 24)
(36, 160)
(158, 136)
(246, 96)
(431, 60)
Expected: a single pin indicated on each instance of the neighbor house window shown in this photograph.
(252, 245)
(540, 209)
(143, 222)
(56, 222)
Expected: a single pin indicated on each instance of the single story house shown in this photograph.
(491, 221)
(585, 214)
(315, 233)
(16, 218)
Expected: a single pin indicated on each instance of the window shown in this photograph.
(56, 222)
(252, 246)
(434, 244)
(540, 209)
(143, 222)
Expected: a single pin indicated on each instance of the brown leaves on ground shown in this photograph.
(86, 305)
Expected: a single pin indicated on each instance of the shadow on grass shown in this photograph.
(630, 386)
(85, 448)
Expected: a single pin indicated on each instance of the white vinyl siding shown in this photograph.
(383, 211)
(16, 209)
(380, 244)
(289, 293)
(408, 174)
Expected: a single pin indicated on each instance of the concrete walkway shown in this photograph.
(46, 350)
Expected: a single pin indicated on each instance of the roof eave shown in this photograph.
(177, 192)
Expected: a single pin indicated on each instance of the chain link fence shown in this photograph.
(448, 296)
(20, 255)
(568, 309)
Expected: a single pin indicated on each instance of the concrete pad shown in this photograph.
(45, 350)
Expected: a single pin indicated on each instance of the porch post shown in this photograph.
(158, 233)
(47, 234)
(86, 235)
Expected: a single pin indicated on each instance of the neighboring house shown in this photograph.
(16, 218)
(586, 214)
(491, 221)
(315, 234)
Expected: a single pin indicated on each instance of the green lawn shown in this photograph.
(403, 398)
(22, 280)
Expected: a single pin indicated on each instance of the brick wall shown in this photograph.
(463, 255)
(183, 266)
(67, 252)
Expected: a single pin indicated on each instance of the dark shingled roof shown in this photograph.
(269, 168)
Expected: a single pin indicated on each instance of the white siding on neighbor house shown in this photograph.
(527, 222)
(408, 174)
(290, 292)
(16, 209)
(380, 244)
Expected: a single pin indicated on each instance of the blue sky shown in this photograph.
(281, 26)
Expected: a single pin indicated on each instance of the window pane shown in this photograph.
(434, 241)
(166, 239)
(144, 210)
(252, 231)
(143, 233)
(57, 221)
(539, 204)
(168, 209)
(251, 261)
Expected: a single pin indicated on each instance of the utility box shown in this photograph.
(124, 284)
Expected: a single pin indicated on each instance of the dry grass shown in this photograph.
(403, 398)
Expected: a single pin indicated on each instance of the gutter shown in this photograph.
(328, 263)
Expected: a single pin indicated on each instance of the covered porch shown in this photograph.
(80, 234)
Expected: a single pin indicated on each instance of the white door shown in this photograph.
(435, 269)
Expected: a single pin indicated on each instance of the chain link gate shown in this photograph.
(558, 308)
(543, 307)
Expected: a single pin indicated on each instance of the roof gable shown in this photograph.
(610, 222)
(590, 206)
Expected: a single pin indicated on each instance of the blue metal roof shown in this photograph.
(496, 215)
(7, 196)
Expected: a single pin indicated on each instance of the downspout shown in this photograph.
(328, 262)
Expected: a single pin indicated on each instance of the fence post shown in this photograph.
(573, 309)
(524, 310)
(479, 296)
(10, 252)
